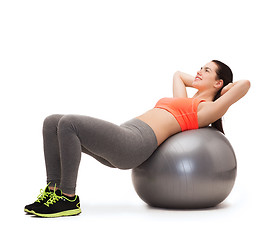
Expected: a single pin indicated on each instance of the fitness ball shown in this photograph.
(191, 169)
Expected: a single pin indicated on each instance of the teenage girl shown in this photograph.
(130, 144)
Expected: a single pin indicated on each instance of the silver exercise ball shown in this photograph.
(191, 169)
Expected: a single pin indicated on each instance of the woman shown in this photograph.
(130, 144)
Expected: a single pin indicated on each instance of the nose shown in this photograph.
(199, 72)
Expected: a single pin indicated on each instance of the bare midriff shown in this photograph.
(162, 122)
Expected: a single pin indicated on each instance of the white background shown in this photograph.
(113, 60)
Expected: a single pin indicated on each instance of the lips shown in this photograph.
(198, 78)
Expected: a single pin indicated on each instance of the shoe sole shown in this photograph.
(28, 211)
(59, 214)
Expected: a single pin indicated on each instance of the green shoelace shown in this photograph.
(53, 199)
(43, 195)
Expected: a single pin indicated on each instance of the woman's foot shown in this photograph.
(44, 196)
(59, 205)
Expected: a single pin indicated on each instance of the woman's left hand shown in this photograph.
(226, 88)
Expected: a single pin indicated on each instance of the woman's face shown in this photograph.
(207, 78)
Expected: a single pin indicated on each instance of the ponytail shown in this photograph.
(224, 73)
(218, 124)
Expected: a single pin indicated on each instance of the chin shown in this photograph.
(197, 86)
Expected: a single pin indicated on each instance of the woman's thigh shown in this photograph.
(125, 146)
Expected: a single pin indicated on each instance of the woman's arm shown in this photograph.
(180, 82)
(230, 94)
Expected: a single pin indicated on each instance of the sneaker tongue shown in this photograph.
(48, 189)
(58, 192)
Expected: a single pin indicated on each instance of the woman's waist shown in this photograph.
(162, 122)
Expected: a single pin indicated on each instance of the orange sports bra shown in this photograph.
(183, 109)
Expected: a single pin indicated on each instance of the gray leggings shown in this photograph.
(67, 136)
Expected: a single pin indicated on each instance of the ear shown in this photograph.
(219, 84)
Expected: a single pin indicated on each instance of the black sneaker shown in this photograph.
(59, 205)
(44, 196)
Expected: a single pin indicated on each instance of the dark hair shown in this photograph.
(224, 73)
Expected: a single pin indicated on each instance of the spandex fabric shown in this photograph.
(67, 136)
(183, 109)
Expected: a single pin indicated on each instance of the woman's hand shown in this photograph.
(227, 88)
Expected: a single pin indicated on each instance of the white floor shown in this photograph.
(111, 209)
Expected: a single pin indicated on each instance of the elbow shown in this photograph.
(176, 74)
(247, 85)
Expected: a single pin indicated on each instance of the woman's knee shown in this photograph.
(51, 122)
(68, 122)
